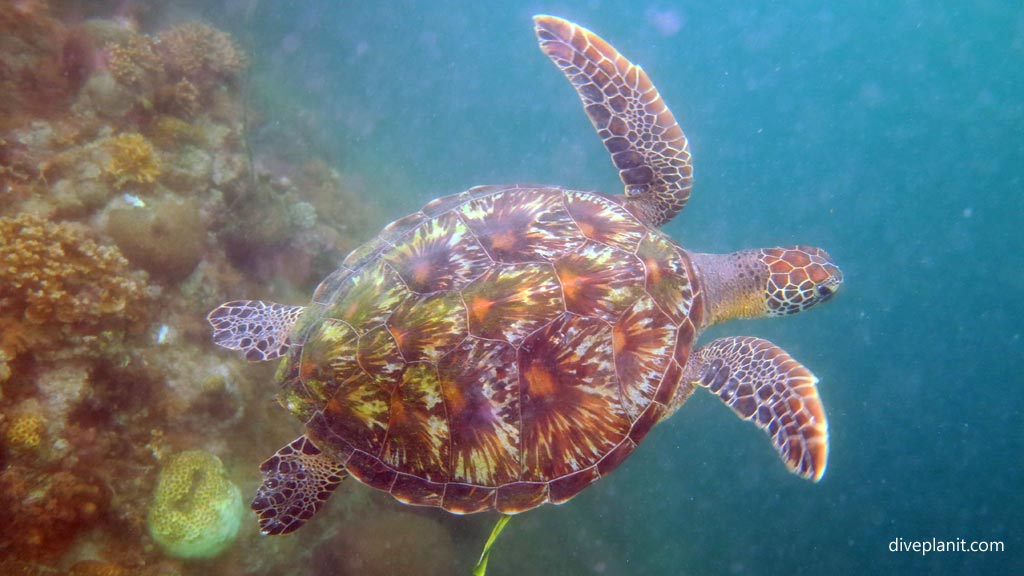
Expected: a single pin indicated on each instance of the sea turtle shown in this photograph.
(507, 346)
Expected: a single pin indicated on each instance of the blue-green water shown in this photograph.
(892, 134)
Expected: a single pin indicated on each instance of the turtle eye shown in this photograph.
(825, 292)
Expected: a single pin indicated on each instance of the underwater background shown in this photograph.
(158, 158)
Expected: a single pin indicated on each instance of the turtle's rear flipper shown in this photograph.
(296, 483)
(260, 329)
(763, 384)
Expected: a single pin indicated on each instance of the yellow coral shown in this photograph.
(132, 160)
(25, 432)
(196, 509)
(55, 273)
(201, 53)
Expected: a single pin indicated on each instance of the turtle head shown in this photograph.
(797, 278)
(765, 282)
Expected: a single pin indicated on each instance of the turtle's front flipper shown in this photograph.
(637, 128)
(763, 384)
(297, 480)
(260, 329)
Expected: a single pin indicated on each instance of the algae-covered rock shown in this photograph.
(165, 238)
(196, 510)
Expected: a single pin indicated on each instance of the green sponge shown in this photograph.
(196, 510)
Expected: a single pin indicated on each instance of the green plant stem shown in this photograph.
(481, 566)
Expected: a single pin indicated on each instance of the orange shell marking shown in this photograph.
(572, 413)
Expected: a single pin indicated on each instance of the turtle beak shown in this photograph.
(825, 293)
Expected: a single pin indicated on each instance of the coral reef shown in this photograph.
(196, 510)
(132, 205)
(300, 223)
(132, 160)
(169, 131)
(180, 98)
(56, 275)
(201, 54)
(134, 61)
(45, 512)
(32, 78)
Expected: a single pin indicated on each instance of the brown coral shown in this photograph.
(132, 160)
(172, 132)
(44, 511)
(32, 81)
(134, 61)
(180, 98)
(54, 273)
(201, 54)
(97, 568)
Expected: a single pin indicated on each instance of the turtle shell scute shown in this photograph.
(572, 411)
(603, 220)
(510, 301)
(439, 254)
(599, 280)
(387, 237)
(480, 386)
(522, 225)
(668, 277)
(367, 297)
(427, 327)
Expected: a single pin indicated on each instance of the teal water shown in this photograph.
(892, 134)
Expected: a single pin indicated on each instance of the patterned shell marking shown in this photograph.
(499, 349)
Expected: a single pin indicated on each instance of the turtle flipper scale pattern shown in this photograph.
(637, 128)
(259, 329)
(764, 385)
(297, 480)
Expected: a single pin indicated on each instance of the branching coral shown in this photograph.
(180, 98)
(132, 160)
(201, 53)
(55, 274)
(134, 62)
